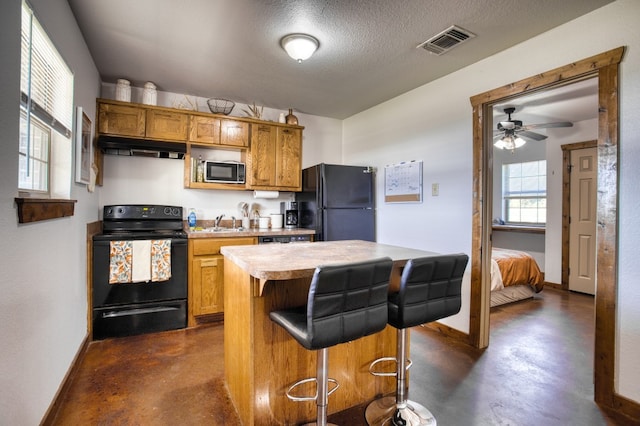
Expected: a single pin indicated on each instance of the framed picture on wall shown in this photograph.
(83, 147)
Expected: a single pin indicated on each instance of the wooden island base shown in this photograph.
(262, 360)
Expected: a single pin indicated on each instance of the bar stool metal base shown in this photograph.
(385, 412)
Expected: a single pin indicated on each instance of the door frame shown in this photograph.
(566, 204)
(604, 67)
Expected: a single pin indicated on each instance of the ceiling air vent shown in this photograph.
(446, 40)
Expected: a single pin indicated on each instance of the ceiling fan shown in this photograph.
(512, 134)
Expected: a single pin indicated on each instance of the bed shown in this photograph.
(515, 275)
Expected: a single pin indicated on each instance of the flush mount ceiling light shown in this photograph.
(299, 46)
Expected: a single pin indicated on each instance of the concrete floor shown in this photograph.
(538, 370)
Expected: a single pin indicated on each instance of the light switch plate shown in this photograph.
(435, 189)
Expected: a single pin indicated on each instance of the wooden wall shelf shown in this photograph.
(37, 209)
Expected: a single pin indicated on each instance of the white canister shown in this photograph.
(149, 94)
(263, 222)
(123, 90)
(281, 118)
(276, 221)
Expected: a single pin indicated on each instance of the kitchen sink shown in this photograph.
(218, 229)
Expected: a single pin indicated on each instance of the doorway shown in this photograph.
(605, 67)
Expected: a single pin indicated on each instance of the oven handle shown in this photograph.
(115, 314)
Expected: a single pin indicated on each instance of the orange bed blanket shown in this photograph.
(518, 267)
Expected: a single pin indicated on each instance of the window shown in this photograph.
(46, 110)
(524, 192)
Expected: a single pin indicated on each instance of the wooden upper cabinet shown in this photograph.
(234, 133)
(275, 159)
(262, 158)
(121, 120)
(221, 132)
(166, 125)
(204, 129)
(272, 152)
(289, 158)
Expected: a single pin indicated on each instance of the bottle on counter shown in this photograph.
(200, 170)
(191, 219)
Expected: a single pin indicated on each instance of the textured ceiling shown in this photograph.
(367, 54)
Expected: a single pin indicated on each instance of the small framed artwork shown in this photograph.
(83, 147)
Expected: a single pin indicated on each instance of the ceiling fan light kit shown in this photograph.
(509, 142)
(299, 46)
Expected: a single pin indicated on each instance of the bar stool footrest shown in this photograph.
(310, 398)
(387, 373)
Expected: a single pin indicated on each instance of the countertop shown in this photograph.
(248, 233)
(299, 260)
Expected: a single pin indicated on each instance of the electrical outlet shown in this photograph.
(435, 189)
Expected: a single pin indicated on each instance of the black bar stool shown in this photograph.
(429, 291)
(345, 302)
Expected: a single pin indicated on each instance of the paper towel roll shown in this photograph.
(266, 194)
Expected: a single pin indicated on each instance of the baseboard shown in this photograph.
(627, 407)
(52, 412)
(447, 331)
(209, 318)
(553, 285)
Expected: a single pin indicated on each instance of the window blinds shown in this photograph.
(46, 82)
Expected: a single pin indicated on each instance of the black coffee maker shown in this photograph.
(290, 211)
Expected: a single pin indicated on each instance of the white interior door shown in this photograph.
(582, 225)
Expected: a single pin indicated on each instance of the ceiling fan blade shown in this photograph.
(548, 125)
(531, 135)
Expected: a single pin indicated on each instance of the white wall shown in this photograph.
(433, 123)
(43, 307)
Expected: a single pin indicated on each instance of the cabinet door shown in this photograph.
(234, 133)
(208, 284)
(262, 161)
(121, 120)
(206, 275)
(166, 125)
(204, 130)
(289, 158)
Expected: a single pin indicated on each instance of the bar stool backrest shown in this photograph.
(430, 289)
(347, 301)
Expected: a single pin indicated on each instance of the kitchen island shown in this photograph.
(262, 360)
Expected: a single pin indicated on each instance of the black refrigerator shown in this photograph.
(338, 202)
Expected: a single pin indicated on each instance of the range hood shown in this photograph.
(116, 145)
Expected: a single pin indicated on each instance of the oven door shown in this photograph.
(130, 320)
(109, 295)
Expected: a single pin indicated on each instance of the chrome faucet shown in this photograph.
(233, 222)
(218, 219)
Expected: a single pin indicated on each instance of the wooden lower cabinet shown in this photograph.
(206, 277)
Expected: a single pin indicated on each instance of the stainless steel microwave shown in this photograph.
(224, 172)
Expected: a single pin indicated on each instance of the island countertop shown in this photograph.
(299, 260)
